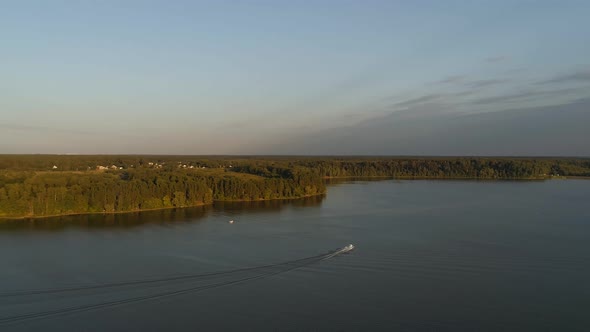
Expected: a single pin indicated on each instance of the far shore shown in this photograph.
(450, 178)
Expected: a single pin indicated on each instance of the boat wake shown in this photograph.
(215, 280)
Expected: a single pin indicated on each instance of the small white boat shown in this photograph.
(231, 221)
(349, 247)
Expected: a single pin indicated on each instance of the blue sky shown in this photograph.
(257, 77)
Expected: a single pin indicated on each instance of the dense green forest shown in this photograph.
(474, 168)
(45, 185)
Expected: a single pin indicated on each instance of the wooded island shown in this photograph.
(50, 185)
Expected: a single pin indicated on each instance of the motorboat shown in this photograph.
(348, 248)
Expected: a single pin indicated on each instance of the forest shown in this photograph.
(49, 185)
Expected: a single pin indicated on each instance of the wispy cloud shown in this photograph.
(452, 79)
(538, 130)
(419, 100)
(485, 83)
(469, 89)
(577, 76)
(523, 95)
(496, 59)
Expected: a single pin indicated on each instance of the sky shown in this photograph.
(295, 77)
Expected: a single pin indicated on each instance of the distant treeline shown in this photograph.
(475, 168)
(45, 185)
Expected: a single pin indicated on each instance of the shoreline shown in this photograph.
(8, 219)
(447, 178)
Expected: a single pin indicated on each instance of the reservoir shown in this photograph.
(442, 255)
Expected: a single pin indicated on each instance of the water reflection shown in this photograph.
(122, 220)
(157, 217)
(268, 206)
(338, 181)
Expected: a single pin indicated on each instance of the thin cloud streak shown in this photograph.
(452, 79)
(579, 76)
(520, 96)
(496, 59)
(419, 100)
(485, 83)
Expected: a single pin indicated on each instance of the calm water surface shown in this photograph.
(431, 256)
